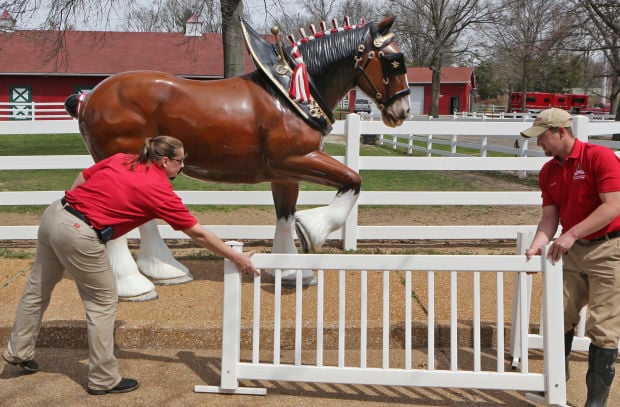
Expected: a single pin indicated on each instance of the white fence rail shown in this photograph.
(334, 271)
(352, 129)
(33, 111)
(475, 135)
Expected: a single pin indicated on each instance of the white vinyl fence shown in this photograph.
(307, 364)
(551, 380)
(33, 111)
(352, 128)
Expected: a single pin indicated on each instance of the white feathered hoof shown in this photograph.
(311, 230)
(151, 295)
(288, 278)
(306, 282)
(135, 288)
(162, 272)
(173, 281)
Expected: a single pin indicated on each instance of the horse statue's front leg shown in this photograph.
(284, 198)
(314, 225)
(284, 243)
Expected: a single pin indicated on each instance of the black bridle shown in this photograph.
(391, 65)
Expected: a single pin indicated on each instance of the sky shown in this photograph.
(116, 18)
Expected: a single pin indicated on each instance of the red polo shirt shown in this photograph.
(115, 195)
(574, 185)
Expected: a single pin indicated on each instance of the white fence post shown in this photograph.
(231, 333)
(351, 159)
(580, 127)
(555, 376)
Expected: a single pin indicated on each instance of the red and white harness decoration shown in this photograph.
(299, 89)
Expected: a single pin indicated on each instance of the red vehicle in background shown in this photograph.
(537, 101)
(599, 108)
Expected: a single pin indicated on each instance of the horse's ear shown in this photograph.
(384, 25)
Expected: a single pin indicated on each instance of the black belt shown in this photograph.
(74, 211)
(104, 234)
(607, 236)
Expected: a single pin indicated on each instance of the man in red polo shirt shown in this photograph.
(581, 191)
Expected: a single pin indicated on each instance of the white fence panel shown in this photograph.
(352, 128)
(312, 369)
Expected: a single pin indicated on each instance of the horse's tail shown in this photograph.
(73, 103)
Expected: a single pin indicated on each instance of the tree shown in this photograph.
(602, 23)
(487, 82)
(172, 16)
(232, 36)
(528, 38)
(437, 25)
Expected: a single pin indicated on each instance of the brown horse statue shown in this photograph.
(248, 129)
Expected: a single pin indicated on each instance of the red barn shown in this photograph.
(455, 89)
(47, 66)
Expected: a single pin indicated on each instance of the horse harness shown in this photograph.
(278, 74)
(276, 68)
(391, 65)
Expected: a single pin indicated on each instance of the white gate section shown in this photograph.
(266, 364)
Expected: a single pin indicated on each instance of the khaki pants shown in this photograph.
(592, 278)
(67, 243)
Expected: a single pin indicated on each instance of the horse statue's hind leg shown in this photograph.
(154, 261)
(130, 284)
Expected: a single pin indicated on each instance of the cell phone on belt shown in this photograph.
(106, 234)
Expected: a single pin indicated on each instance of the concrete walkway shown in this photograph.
(167, 378)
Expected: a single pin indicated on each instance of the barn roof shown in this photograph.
(98, 53)
(105, 53)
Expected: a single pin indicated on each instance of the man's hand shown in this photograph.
(560, 246)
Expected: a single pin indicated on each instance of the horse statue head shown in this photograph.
(363, 55)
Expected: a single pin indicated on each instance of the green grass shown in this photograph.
(443, 147)
(63, 144)
(15, 254)
(42, 144)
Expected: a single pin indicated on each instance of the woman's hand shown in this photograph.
(244, 264)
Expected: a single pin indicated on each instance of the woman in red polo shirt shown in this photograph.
(106, 200)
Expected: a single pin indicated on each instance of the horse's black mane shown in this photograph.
(322, 53)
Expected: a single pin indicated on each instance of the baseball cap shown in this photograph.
(546, 119)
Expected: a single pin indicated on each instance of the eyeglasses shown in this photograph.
(179, 161)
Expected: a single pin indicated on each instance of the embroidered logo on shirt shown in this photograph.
(76, 225)
(579, 173)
